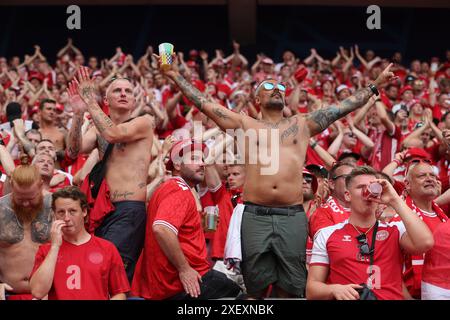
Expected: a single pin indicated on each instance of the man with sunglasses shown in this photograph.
(363, 250)
(273, 199)
(126, 145)
(421, 186)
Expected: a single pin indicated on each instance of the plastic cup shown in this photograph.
(165, 52)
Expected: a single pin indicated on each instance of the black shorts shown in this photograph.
(273, 244)
(125, 227)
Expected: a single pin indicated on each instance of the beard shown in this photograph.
(277, 104)
(28, 214)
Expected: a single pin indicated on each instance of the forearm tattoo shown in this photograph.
(75, 137)
(220, 113)
(325, 117)
(101, 120)
(191, 92)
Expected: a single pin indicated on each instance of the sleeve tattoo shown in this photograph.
(191, 92)
(75, 137)
(323, 118)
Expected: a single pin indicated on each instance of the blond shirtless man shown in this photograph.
(25, 221)
(126, 167)
(274, 225)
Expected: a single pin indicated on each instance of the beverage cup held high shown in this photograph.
(373, 190)
(165, 52)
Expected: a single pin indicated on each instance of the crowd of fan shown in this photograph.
(407, 123)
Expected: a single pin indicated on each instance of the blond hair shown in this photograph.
(25, 176)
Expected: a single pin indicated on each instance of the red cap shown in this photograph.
(414, 153)
(405, 88)
(178, 149)
(35, 75)
(314, 183)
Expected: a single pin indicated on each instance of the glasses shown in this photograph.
(340, 176)
(416, 161)
(350, 134)
(307, 178)
(270, 86)
(364, 248)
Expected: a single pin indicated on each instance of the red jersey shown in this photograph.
(414, 263)
(328, 214)
(172, 205)
(222, 197)
(90, 271)
(436, 268)
(336, 247)
(385, 146)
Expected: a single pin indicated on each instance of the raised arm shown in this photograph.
(133, 130)
(223, 117)
(320, 120)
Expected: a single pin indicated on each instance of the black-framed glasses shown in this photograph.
(340, 176)
(364, 248)
(270, 86)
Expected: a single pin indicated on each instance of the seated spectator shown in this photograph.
(362, 251)
(76, 265)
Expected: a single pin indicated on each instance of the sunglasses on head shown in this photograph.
(270, 86)
(364, 248)
(114, 78)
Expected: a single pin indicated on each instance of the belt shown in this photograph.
(269, 211)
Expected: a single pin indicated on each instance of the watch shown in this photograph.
(374, 89)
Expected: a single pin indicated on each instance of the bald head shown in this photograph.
(119, 94)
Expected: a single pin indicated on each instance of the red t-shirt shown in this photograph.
(436, 269)
(172, 205)
(328, 214)
(336, 247)
(90, 271)
(222, 197)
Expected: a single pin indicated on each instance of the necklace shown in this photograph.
(360, 231)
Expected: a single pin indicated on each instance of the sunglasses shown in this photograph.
(364, 248)
(270, 86)
(307, 178)
(416, 161)
(340, 176)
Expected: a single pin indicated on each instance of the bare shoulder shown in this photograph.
(40, 227)
(10, 230)
(144, 120)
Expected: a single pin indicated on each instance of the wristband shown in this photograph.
(313, 145)
(374, 89)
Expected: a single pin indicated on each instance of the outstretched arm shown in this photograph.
(320, 120)
(223, 117)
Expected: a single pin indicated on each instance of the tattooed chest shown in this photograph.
(12, 232)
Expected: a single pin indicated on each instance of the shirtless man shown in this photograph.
(127, 166)
(48, 126)
(25, 221)
(274, 225)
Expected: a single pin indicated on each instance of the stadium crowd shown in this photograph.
(108, 192)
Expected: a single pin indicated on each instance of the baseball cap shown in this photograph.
(349, 154)
(405, 88)
(35, 75)
(398, 107)
(317, 170)
(414, 153)
(342, 87)
(267, 61)
(314, 183)
(182, 146)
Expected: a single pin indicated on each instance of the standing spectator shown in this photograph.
(76, 265)
(341, 259)
(174, 262)
(275, 199)
(48, 126)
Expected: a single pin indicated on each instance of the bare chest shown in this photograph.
(12, 231)
(54, 135)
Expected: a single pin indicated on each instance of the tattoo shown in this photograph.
(191, 92)
(292, 130)
(141, 185)
(116, 194)
(325, 117)
(101, 120)
(102, 144)
(87, 92)
(274, 125)
(220, 113)
(74, 139)
(11, 229)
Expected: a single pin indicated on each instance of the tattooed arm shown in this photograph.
(320, 120)
(133, 130)
(223, 117)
